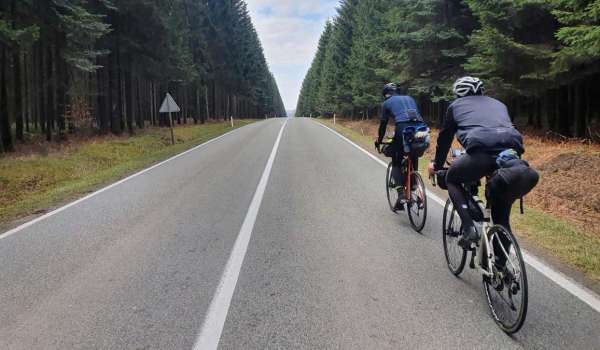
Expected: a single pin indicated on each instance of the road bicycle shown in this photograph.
(496, 256)
(414, 188)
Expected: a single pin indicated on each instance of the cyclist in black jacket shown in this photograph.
(484, 128)
(404, 112)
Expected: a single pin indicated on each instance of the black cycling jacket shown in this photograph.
(480, 123)
(401, 109)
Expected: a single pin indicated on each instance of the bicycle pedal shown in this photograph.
(466, 245)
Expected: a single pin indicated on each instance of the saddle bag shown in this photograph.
(512, 181)
(416, 140)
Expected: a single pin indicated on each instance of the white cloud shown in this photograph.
(289, 32)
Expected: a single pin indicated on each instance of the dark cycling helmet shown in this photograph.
(468, 86)
(389, 89)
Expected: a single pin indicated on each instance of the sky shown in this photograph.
(289, 31)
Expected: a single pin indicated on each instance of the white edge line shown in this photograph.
(58, 210)
(214, 321)
(577, 290)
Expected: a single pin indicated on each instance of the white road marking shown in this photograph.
(56, 211)
(210, 333)
(580, 292)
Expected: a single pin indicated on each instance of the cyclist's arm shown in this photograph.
(384, 118)
(445, 139)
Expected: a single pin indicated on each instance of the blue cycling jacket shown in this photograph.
(401, 109)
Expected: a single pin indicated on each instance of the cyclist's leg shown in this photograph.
(397, 167)
(468, 168)
(415, 167)
(501, 208)
(397, 171)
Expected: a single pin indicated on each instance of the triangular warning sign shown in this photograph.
(169, 105)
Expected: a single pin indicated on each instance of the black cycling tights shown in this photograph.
(471, 168)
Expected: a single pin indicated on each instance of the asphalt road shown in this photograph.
(326, 266)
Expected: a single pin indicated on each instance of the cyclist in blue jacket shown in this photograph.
(404, 112)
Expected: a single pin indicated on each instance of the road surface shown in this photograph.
(321, 262)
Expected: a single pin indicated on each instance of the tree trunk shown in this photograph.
(580, 113)
(18, 112)
(50, 94)
(42, 88)
(103, 108)
(197, 109)
(5, 132)
(120, 103)
(129, 97)
(61, 79)
(530, 112)
(18, 95)
(152, 104)
(140, 114)
(206, 101)
(27, 94)
(563, 108)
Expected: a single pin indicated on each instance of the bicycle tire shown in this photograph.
(456, 256)
(392, 195)
(420, 194)
(515, 326)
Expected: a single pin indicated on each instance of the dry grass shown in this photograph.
(40, 175)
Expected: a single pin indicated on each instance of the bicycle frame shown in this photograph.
(485, 249)
(409, 172)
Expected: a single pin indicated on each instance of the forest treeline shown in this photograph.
(542, 58)
(107, 64)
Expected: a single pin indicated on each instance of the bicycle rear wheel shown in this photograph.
(456, 256)
(390, 188)
(507, 291)
(417, 204)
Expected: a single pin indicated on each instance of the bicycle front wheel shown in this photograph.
(507, 291)
(417, 205)
(390, 188)
(456, 256)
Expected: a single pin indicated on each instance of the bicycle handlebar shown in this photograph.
(433, 177)
(377, 147)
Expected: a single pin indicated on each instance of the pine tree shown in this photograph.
(334, 92)
(364, 65)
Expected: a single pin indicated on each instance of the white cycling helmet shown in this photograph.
(467, 86)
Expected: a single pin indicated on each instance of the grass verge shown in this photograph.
(547, 234)
(32, 183)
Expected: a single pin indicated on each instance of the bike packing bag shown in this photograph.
(416, 140)
(513, 181)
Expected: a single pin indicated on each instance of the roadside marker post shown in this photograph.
(169, 106)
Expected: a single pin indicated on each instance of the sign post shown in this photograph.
(169, 106)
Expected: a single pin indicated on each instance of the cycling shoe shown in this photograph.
(399, 206)
(469, 236)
